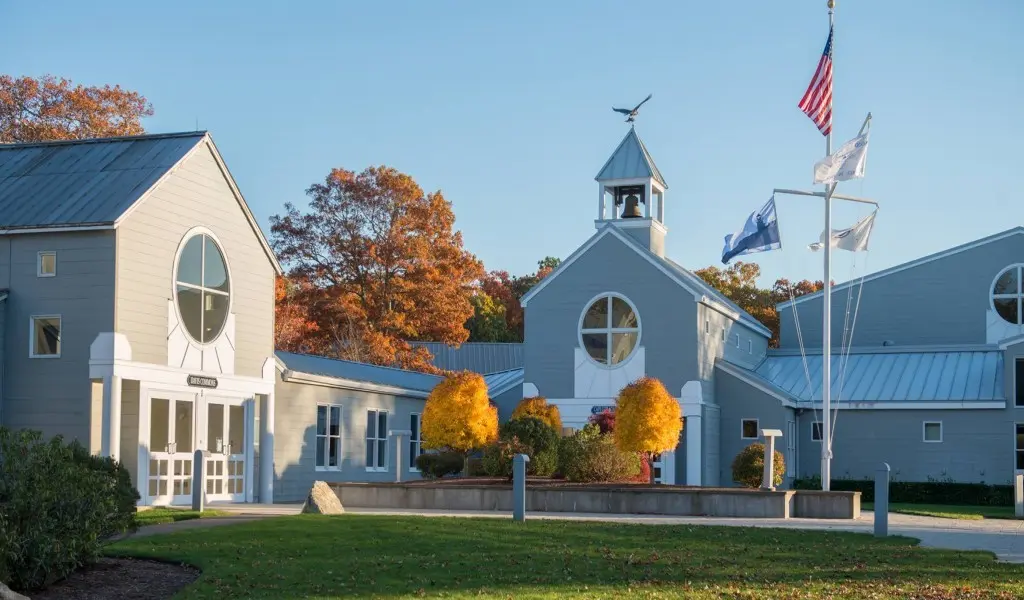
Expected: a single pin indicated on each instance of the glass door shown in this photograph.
(171, 445)
(226, 443)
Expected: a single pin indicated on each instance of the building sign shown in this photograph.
(596, 410)
(202, 381)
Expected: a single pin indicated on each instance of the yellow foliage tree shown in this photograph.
(458, 414)
(647, 419)
(538, 407)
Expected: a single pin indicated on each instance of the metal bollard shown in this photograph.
(1018, 495)
(519, 487)
(198, 480)
(882, 501)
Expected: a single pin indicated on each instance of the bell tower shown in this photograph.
(632, 194)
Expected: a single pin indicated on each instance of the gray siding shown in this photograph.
(295, 436)
(711, 442)
(668, 316)
(741, 401)
(941, 302)
(196, 193)
(977, 445)
(130, 428)
(717, 338)
(507, 402)
(54, 395)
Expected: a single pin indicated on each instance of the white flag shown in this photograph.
(853, 239)
(846, 163)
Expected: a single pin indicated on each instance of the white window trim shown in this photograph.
(387, 446)
(757, 427)
(924, 432)
(707, 326)
(723, 334)
(1016, 451)
(819, 426)
(419, 430)
(32, 336)
(340, 436)
(1019, 296)
(638, 330)
(39, 263)
(191, 233)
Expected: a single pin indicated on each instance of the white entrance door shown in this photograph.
(172, 434)
(227, 468)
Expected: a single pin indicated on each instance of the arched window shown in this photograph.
(1007, 294)
(610, 329)
(202, 288)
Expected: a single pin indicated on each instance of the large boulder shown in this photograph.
(7, 594)
(322, 500)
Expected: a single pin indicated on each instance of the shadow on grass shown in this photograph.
(387, 556)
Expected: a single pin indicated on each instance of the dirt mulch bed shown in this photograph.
(121, 578)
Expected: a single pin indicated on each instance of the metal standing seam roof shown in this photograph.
(367, 373)
(963, 376)
(629, 161)
(83, 182)
(502, 381)
(479, 357)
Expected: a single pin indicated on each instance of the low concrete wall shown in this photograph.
(661, 500)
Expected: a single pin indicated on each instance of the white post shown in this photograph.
(1018, 495)
(692, 405)
(398, 434)
(826, 332)
(649, 199)
(110, 445)
(600, 202)
(768, 477)
(267, 449)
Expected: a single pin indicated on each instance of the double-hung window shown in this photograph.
(376, 440)
(415, 439)
(328, 437)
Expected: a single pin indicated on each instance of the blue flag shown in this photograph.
(759, 234)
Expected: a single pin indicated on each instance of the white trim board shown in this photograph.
(611, 229)
(909, 265)
(349, 384)
(753, 380)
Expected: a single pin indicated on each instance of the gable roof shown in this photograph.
(630, 160)
(701, 292)
(364, 376)
(95, 183)
(908, 265)
(479, 357)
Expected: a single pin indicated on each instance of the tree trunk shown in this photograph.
(650, 467)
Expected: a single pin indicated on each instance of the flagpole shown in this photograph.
(826, 331)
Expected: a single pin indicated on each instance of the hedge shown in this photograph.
(436, 465)
(922, 492)
(58, 504)
(590, 456)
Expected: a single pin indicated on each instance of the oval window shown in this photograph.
(202, 288)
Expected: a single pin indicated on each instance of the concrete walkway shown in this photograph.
(1005, 538)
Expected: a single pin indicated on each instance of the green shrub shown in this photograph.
(476, 466)
(57, 506)
(436, 465)
(590, 456)
(524, 435)
(921, 492)
(748, 467)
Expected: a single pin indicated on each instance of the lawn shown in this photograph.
(363, 556)
(971, 513)
(154, 516)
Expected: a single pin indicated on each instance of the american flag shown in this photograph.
(817, 100)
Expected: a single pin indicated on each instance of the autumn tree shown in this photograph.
(647, 419)
(538, 407)
(382, 264)
(738, 282)
(748, 467)
(488, 321)
(458, 415)
(292, 323)
(51, 108)
(506, 291)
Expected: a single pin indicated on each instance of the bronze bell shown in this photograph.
(632, 209)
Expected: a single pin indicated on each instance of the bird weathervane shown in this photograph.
(631, 113)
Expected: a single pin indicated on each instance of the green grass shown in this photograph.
(364, 556)
(154, 516)
(971, 513)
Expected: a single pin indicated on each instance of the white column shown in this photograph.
(250, 416)
(648, 199)
(111, 442)
(661, 207)
(600, 202)
(267, 449)
(692, 402)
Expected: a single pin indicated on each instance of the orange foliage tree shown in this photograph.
(647, 419)
(458, 415)
(51, 108)
(539, 407)
(503, 293)
(738, 282)
(378, 262)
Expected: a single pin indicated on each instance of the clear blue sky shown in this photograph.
(506, 107)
